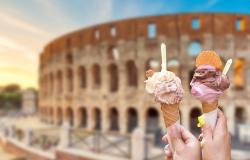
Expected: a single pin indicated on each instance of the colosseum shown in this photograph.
(93, 78)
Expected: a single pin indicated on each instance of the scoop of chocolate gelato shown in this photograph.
(211, 77)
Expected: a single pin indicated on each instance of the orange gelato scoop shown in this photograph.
(209, 58)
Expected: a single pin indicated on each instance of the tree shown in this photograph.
(11, 88)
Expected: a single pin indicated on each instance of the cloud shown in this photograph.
(54, 13)
(20, 78)
(23, 34)
(129, 10)
(211, 3)
(11, 47)
(9, 43)
(94, 12)
(14, 21)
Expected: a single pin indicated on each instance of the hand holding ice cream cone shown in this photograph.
(168, 91)
(209, 82)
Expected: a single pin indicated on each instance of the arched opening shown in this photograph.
(113, 53)
(41, 111)
(51, 84)
(51, 115)
(59, 82)
(44, 114)
(132, 119)
(239, 73)
(174, 66)
(180, 116)
(193, 116)
(70, 116)
(96, 73)
(113, 77)
(194, 48)
(152, 64)
(83, 117)
(97, 119)
(152, 120)
(70, 79)
(47, 115)
(195, 23)
(131, 73)
(114, 119)
(82, 77)
(46, 87)
(69, 58)
(240, 24)
(59, 116)
(240, 118)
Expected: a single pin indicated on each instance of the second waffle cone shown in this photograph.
(208, 107)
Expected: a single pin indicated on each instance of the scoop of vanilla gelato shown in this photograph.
(158, 77)
(166, 87)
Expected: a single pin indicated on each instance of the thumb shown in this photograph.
(188, 137)
(175, 139)
(207, 132)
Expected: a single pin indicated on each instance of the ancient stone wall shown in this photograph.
(94, 77)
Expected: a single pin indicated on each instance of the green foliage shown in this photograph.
(11, 88)
(10, 100)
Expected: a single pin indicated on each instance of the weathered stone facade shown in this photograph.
(94, 77)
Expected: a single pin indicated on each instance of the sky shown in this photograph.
(26, 26)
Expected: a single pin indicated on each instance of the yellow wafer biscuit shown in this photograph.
(209, 58)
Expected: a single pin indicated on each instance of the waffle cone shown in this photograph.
(170, 113)
(208, 107)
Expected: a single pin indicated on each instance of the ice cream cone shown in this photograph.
(208, 107)
(170, 113)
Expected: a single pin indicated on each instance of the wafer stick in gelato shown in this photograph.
(167, 89)
(209, 82)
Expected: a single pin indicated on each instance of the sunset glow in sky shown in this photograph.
(27, 26)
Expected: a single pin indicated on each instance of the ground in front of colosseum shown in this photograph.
(239, 152)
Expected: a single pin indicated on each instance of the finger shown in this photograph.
(168, 157)
(165, 139)
(221, 125)
(207, 132)
(186, 135)
(166, 147)
(175, 138)
(168, 153)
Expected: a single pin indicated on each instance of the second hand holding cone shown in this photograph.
(209, 82)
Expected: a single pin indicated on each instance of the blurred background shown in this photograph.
(72, 74)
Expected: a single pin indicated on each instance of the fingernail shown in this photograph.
(166, 147)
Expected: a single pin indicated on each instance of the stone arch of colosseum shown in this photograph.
(82, 117)
(132, 119)
(194, 113)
